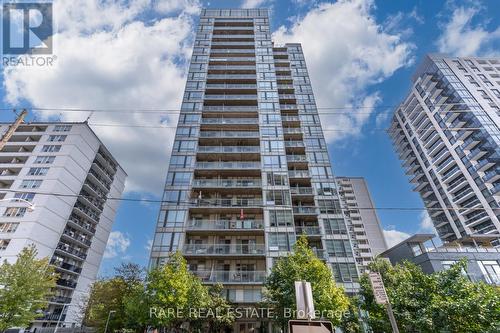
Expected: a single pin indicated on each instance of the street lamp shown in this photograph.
(107, 321)
(31, 206)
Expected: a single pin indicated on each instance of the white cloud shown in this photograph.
(394, 237)
(346, 51)
(149, 245)
(117, 244)
(187, 6)
(253, 3)
(426, 224)
(123, 63)
(460, 37)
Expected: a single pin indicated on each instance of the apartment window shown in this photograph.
(178, 178)
(275, 162)
(329, 206)
(44, 159)
(4, 243)
(181, 161)
(57, 138)
(338, 248)
(273, 146)
(491, 271)
(321, 172)
(184, 145)
(345, 272)
(335, 226)
(62, 128)
(277, 179)
(38, 171)
(448, 263)
(496, 92)
(31, 183)
(25, 196)
(278, 197)
(166, 242)
(8, 227)
(281, 241)
(51, 148)
(416, 249)
(280, 218)
(175, 197)
(15, 212)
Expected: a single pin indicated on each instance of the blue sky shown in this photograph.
(133, 54)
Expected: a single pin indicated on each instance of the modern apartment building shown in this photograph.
(67, 174)
(249, 170)
(483, 260)
(363, 224)
(447, 135)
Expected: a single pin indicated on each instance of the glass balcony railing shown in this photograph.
(232, 67)
(230, 86)
(231, 276)
(233, 76)
(228, 203)
(228, 165)
(293, 144)
(225, 249)
(301, 190)
(223, 121)
(228, 149)
(227, 183)
(296, 158)
(313, 230)
(231, 97)
(233, 108)
(298, 174)
(66, 266)
(229, 134)
(225, 225)
(305, 210)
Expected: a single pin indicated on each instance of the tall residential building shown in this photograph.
(66, 172)
(249, 170)
(447, 134)
(363, 224)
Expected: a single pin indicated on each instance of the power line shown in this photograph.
(177, 110)
(195, 203)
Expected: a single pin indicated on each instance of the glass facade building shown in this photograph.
(249, 170)
(447, 134)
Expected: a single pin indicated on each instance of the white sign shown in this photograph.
(304, 299)
(378, 288)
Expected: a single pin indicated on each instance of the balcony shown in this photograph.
(60, 300)
(230, 121)
(230, 86)
(227, 183)
(304, 210)
(231, 97)
(80, 225)
(296, 158)
(294, 144)
(310, 231)
(228, 165)
(225, 249)
(491, 176)
(229, 149)
(495, 190)
(66, 283)
(225, 225)
(235, 277)
(484, 165)
(298, 191)
(298, 174)
(74, 237)
(231, 67)
(66, 266)
(230, 108)
(235, 202)
(231, 76)
(229, 134)
(476, 153)
(66, 249)
(470, 143)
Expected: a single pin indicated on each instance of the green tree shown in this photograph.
(172, 287)
(302, 264)
(445, 301)
(109, 295)
(24, 288)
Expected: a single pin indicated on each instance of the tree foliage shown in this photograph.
(24, 289)
(445, 301)
(109, 295)
(145, 300)
(302, 264)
